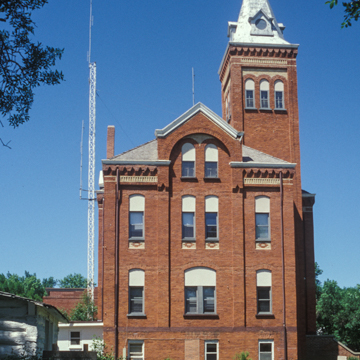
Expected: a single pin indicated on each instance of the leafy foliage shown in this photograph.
(73, 281)
(338, 313)
(24, 65)
(352, 11)
(85, 310)
(243, 356)
(28, 286)
(318, 272)
(102, 352)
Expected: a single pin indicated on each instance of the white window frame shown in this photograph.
(272, 347)
(136, 355)
(188, 155)
(216, 342)
(137, 205)
(250, 86)
(262, 206)
(70, 339)
(264, 89)
(264, 281)
(188, 203)
(279, 88)
(137, 280)
(211, 157)
(212, 207)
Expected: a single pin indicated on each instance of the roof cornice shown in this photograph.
(199, 107)
(240, 164)
(136, 162)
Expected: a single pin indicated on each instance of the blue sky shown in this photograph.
(145, 51)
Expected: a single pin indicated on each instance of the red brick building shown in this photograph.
(205, 235)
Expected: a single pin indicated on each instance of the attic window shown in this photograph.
(260, 24)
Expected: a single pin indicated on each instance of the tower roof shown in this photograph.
(256, 25)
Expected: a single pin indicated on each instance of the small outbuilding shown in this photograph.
(27, 327)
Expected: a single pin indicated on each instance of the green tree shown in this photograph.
(352, 11)
(28, 286)
(49, 282)
(85, 310)
(24, 64)
(243, 356)
(338, 313)
(318, 272)
(73, 281)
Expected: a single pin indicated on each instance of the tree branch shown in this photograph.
(7, 144)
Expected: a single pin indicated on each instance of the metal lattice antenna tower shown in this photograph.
(91, 173)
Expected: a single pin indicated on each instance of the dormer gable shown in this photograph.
(261, 24)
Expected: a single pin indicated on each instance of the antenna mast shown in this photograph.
(193, 86)
(91, 173)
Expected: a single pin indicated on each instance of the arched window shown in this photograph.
(262, 218)
(264, 94)
(200, 285)
(211, 161)
(188, 217)
(279, 95)
(136, 217)
(249, 94)
(136, 291)
(211, 218)
(188, 160)
(263, 285)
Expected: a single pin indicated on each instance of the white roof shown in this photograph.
(256, 25)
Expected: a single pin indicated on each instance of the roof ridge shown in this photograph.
(127, 151)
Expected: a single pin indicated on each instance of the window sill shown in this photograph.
(280, 110)
(265, 316)
(266, 109)
(212, 240)
(201, 316)
(211, 179)
(250, 108)
(263, 240)
(188, 240)
(189, 178)
(136, 316)
(135, 239)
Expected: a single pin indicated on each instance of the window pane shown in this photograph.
(264, 306)
(279, 99)
(191, 300)
(136, 224)
(264, 294)
(187, 225)
(136, 300)
(264, 99)
(249, 98)
(211, 169)
(211, 356)
(209, 299)
(265, 356)
(188, 169)
(211, 348)
(266, 347)
(211, 225)
(262, 226)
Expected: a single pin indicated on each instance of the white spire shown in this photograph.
(256, 25)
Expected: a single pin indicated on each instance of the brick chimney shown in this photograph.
(110, 144)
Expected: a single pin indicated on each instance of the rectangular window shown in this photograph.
(200, 300)
(211, 169)
(136, 226)
(264, 300)
(250, 99)
(211, 350)
(136, 301)
(136, 350)
(188, 228)
(75, 338)
(262, 226)
(211, 228)
(266, 350)
(188, 169)
(279, 100)
(264, 95)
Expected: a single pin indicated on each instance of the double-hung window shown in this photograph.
(266, 350)
(136, 350)
(136, 217)
(188, 160)
(200, 295)
(262, 218)
(279, 95)
(264, 94)
(136, 292)
(211, 218)
(74, 337)
(249, 94)
(263, 287)
(188, 217)
(211, 161)
(211, 350)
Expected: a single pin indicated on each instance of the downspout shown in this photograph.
(244, 257)
(283, 262)
(103, 266)
(117, 264)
